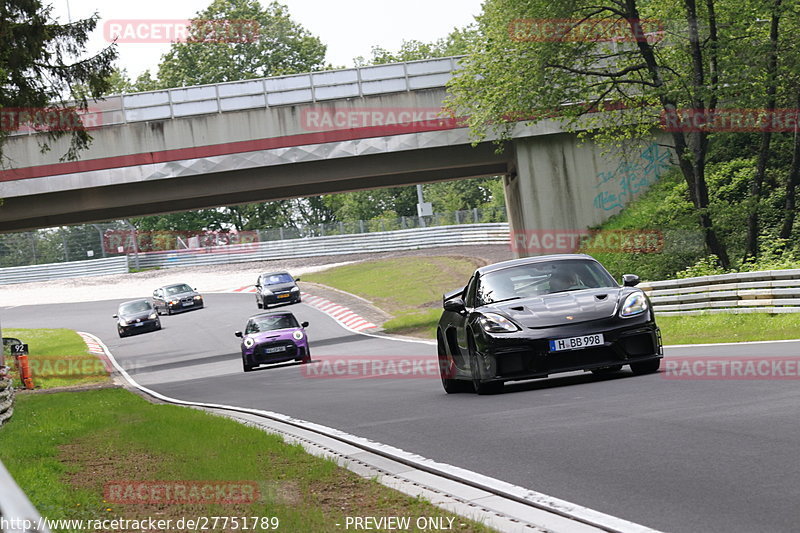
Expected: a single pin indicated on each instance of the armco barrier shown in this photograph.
(74, 269)
(411, 239)
(768, 291)
(6, 399)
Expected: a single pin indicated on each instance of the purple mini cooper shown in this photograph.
(273, 337)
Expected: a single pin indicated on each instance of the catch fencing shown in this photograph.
(768, 291)
(412, 239)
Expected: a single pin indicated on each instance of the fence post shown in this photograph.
(475, 217)
(361, 226)
(66, 246)
(458, 220)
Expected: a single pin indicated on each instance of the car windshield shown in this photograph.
(135, 307)
(537, 279)
(177, 289)
(271, 322)
(275, 279)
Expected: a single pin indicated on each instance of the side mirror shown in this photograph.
(630, 280)
(304, 324)
(455, 305)
(114, 316)
(237, 333)
(297, 279)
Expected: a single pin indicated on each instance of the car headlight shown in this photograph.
(297, 335)
(123, 322)
(295, 289)
(153, 316)
(249, 342)
(198, 297)
(494, 323)
(635, 304)
(173, 302)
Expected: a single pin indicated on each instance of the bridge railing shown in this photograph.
(269, 92)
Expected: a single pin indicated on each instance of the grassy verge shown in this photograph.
(409, 288)
(728, 328)
(57, 358)
(83, 456)
(65, 448)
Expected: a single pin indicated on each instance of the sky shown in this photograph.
(349, 28)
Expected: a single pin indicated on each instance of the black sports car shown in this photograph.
(176, 297)
(136, 315)
(529, 318)
(276, 288)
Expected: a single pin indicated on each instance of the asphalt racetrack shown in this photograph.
(673, 454)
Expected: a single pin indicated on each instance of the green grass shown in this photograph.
(702, 329)
(58, 358)
(63, 448)
(409, 288)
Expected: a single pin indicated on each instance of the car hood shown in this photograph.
(278, 287)
(553, 309)
(274, 335)
(142, 315)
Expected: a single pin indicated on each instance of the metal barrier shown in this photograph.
(74, 269)
(768, 291)
(269, 92)
(6, 398)
(412, 239)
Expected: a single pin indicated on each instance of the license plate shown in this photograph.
(576, 343)
(283, 296)
(187, 304)
(275, 349)
(137, 324)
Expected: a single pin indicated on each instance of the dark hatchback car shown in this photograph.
(177, 297)
(136, 316)
(275, 288)
(273, 337)
(529, 318)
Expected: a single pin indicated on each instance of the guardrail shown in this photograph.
(73, 269)
(768, 291)
(269, 92)
(411, 239)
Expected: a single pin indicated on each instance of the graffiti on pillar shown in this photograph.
(622, 184)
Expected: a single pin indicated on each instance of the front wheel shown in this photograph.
(245, 366)
(479, 386)
(647, 367)
(447, 371)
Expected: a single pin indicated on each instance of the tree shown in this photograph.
(455, 43)
(260, 42)
(613, 54)
(41, 68)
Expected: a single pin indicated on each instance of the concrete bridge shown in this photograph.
(303, 135)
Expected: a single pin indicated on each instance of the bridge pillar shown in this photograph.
(563, 185)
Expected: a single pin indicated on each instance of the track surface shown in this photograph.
(675, 455)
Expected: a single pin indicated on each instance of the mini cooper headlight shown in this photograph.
(297, 335)
(635, 304)
(249, 342)
(494, 323)
(153, 316)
